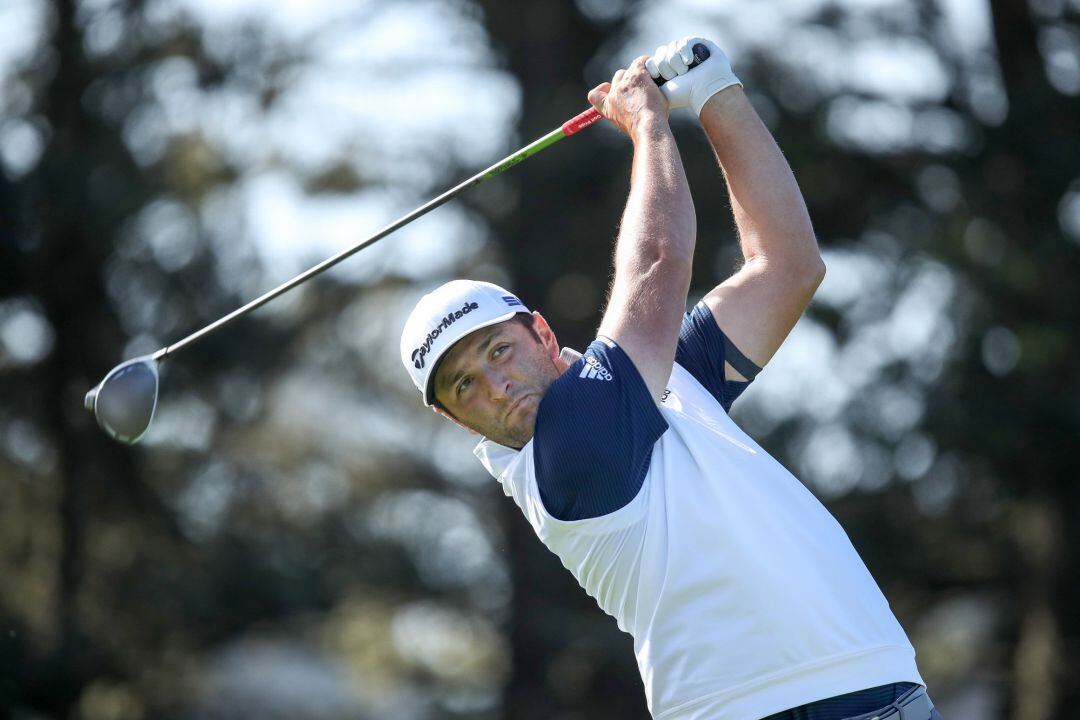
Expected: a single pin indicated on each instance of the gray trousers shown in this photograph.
(913, 705)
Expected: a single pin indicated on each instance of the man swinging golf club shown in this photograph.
(743, 595)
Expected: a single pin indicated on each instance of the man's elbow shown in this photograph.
(804, 274)
(811, 275)
(815, 270)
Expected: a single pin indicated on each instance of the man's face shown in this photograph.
(492, 380)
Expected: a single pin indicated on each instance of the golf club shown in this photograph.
(125, 400)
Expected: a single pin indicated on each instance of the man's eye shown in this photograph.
(500, 350)
(464, 384)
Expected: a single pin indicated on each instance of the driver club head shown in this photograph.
(124, 402)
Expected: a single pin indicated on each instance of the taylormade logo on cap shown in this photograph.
(419, 353)
(446, 315)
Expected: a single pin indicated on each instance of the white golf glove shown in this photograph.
(690, 87)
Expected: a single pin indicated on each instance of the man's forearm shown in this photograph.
(659, 217)
(765, 199)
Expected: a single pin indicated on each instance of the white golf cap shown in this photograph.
(444, 316)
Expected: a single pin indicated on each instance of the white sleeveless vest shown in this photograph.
(742, 593)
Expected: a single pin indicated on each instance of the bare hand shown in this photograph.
(632, 101)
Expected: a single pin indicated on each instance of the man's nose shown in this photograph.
(498, 386)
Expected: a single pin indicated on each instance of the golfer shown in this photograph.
(745, 598)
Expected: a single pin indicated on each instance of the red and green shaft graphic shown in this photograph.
(571, 126)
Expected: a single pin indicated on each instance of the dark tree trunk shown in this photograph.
(67, 210)
(569, 658)
(1023, 180)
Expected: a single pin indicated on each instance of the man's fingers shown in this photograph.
(663, 62)
(598, 94)
(631, 93)
(675, 60)
(651, 66)
(686, 49)
(638, 66)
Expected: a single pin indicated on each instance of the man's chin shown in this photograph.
(519, 431)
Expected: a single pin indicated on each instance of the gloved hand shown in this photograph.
(690, 87)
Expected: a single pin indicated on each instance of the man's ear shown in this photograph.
(457, 422)
(547, 335)
(564, 357)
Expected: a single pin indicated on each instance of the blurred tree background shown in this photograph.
(298, 537)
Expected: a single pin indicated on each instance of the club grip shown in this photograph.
(581, 121)
(590, 116)
(701, 54)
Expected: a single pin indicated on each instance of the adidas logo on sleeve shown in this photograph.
(593, 370)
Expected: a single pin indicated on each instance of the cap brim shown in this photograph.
(429, 389)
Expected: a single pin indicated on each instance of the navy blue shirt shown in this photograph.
(597, 424)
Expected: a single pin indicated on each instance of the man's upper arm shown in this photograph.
(643, 317)
(595, 430)
(757, 307)
(709, 355)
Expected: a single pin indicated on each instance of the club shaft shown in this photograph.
(568, 128)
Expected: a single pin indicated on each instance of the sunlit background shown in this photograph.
(298, 537)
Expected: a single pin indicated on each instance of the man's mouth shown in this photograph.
(515, 406)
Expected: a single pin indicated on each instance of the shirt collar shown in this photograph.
(495, 457)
